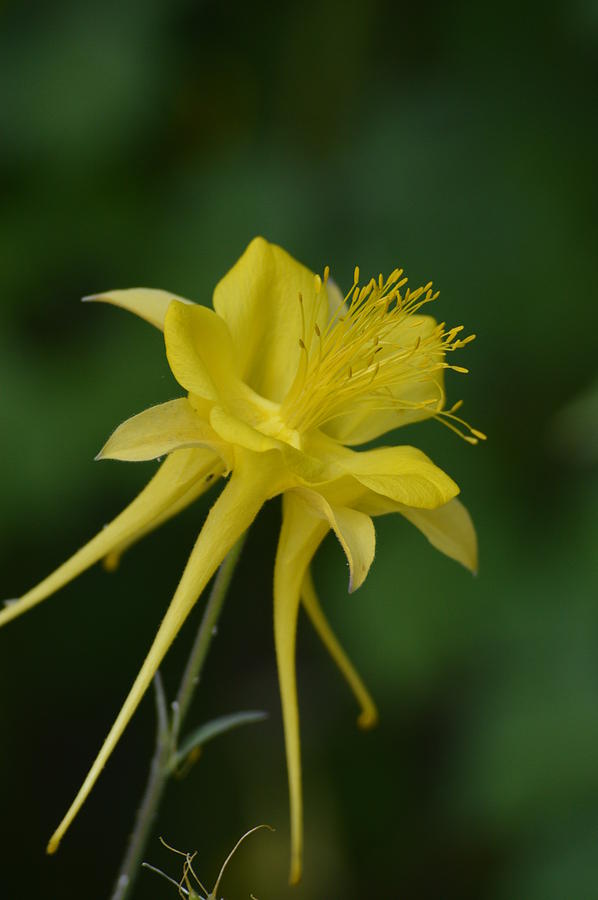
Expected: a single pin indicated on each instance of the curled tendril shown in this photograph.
(184, 886)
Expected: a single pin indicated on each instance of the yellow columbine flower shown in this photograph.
(282, 378)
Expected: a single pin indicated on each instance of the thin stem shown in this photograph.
(168, 733)
(207, 631)
(151, 798)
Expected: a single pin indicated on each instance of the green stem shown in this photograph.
(207, 630)
(151, 798)
(168, 732)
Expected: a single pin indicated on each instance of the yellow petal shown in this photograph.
(364, 424)
(301, 467)
(354, 529)
(231, 515)
(301, 533)
(112, 560)
(368, 716)
(259, 300)
(158, 431)
(148, 303)
(448, 528)
(199, 350)
(233, 430)
(404, 474)
(178, 474)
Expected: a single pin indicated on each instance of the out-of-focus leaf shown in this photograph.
(214, 728)
(574, 429)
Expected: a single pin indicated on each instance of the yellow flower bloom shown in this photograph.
(283, 377)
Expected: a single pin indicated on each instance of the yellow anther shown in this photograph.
(347, 366)
(318, 283)
(326, 273)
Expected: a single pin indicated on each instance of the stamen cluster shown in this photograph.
(371, 352)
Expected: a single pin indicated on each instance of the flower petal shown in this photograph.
(148, 303)
(158, 431)
(199, 350)
(368, 716)
(259, 300)
(303, 468)
(421, 398)
(230, 516)
(449, 528)
(404, 474)
(301, 533)
(178, 474)
(233, 430)
(355, 531)
(112, 560)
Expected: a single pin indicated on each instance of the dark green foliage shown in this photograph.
(146, 143)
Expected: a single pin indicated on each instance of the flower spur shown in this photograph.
(283, 378)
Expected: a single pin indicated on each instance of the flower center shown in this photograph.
(376, 354)
(275, 427)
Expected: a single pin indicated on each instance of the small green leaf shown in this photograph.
(213, 729)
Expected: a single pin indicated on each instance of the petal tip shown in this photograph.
(367, 720)
(295, 873)
(356, 579)
(10, 609)
(473, 563)
(258, 241)
(53, 845)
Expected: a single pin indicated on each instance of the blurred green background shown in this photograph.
(147, 143)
